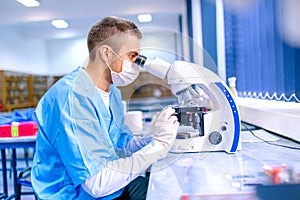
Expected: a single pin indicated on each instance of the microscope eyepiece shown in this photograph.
(140, 60)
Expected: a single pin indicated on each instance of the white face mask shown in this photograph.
(129, 73)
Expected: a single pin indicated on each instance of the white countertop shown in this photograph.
(215, 175)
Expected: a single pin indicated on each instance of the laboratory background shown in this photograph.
(240, 114)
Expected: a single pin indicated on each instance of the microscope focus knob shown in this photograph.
(215, 138)
(223, 128)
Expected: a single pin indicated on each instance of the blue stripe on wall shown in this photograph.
(297, 72)
(190, 27)
(209, 32)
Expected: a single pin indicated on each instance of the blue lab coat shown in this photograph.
(77, 137)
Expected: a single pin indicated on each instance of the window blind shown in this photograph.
(264, 65)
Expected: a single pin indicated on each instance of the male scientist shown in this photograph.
(83, 149)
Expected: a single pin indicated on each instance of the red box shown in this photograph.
(17, 129)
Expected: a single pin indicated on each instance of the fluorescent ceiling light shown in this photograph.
(29, 3)
(144, 18)
(59, 23)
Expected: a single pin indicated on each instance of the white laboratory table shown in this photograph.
(219, 175)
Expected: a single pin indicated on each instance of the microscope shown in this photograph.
(207, 111)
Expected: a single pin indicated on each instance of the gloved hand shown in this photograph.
(164, 128)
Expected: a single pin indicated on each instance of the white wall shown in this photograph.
(289, 23)
(65, 55)
(39, 56)
(20, 54)
(162, 43)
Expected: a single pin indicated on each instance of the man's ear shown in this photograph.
(104, 53)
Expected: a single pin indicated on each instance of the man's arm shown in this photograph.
(119, 173)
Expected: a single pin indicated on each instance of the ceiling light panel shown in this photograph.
(29, 3)
(144, 18)
(59, 23)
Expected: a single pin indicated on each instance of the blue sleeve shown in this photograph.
(136, 143)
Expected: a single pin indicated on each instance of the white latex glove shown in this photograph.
(164, 128)
(160, 117)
